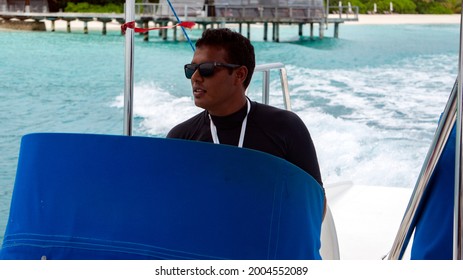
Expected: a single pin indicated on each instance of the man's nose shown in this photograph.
(196, 75)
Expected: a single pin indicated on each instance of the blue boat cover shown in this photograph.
(433, 238)
(83, 196)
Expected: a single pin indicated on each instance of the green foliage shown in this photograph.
(84, 7)
(404, 6)
(365, 6)
(399, 6)
(443, 7)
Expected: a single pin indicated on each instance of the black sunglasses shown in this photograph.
(206, 69)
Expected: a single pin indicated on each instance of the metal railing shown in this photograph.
(458, 207)
(440, 139)
(129, 69)
(20, 6)
(342, 12)
(265, 69)
(248, 12)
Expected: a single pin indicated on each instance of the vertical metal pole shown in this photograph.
(441, 135)
(266, 86)
(128, 85)
(457, 231)
(285, 88)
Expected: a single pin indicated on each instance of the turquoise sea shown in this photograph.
(371, 98)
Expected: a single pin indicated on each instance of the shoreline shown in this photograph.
(383, 19)
(364, 19)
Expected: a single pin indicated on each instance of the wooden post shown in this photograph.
(164, 31)
(265, 30)
(85, 27)
(300, 29)
(276, 32)
(68, 26)
(249, 31)
(336, 30)
(273, 31)
(321, 31)
(145, 34)
(311, 30)
(52, 25)
(105, 21)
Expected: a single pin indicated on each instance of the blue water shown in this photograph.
(371, 99)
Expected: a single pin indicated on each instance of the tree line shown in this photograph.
(90, 6)
(365, 6)
(409, 6)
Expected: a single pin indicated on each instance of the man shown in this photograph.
(220, 72)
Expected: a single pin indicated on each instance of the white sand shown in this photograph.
(407, 19)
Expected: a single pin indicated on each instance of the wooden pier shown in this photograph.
(269, 16)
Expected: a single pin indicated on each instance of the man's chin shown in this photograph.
(199, 103)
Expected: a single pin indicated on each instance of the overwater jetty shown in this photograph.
(271, 14)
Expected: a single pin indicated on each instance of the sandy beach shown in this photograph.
(407, 19)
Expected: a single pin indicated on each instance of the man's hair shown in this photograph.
(239, 49)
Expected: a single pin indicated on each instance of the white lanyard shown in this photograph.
(215, 136)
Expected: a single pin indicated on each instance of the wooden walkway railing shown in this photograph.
(209, 15)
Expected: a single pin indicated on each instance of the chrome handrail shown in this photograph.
(457, 215)
(129, 68)
(265, 69)
(453, 115)
(440, 139)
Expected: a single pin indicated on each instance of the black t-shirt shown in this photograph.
(275, 131)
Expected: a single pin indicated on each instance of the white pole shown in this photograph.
(129, 54)
(458, 208)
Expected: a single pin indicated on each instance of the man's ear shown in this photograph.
(241, 74)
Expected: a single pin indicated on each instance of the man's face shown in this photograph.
(222, 93)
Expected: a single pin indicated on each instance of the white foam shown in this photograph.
(158, 109)
(372, 126)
